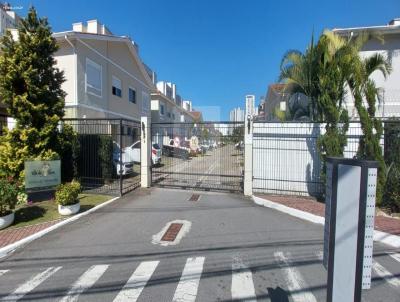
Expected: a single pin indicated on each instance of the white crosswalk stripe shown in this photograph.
(242, 282)
(3, 271)
(86, 281)
(395, 256)
(242, 286)
(133, 288)
(31, 284)
(189, 282)
(294, 281)
(380, 270)
(385, 274)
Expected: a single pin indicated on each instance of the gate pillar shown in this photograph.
(145, 152)
(248, 157)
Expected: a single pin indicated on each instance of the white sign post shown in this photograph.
(349, 227)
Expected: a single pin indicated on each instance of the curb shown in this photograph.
(383, 237)
(4, 251)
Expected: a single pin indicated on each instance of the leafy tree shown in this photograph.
(30, 86)
(237, 134)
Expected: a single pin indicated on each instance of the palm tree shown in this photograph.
(326, 72)
(366, 94)
(299, 71)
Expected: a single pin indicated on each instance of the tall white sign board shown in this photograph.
(349, 226)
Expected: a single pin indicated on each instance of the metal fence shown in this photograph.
(108, 155)
(206, 156)
(286, 158)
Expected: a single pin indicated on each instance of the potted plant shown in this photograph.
(67, 198)
(8, 199)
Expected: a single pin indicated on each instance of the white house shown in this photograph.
(390, 47)
(166, 110)
(105, 77)
(8, 18)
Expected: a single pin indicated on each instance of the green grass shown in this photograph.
(45, 211)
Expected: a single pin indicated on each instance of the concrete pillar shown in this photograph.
(145, 152)
(248, 156)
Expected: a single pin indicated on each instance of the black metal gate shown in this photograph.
(107, 160)
(205, 156)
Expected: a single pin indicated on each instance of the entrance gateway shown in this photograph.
(204, 156)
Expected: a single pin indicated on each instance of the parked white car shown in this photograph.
(132, 153)
(127, 166)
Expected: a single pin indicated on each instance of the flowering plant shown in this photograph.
(8, 195)
(22, 197)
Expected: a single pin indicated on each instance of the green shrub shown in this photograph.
(9, 191)
(68, 146)
(392, 142)
(67, 194)
(95, 159)
(391, 197)
(106, 157)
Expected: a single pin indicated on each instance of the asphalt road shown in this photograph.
(220, 168)
(233, 251)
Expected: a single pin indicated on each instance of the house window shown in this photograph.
(173, 116)
(116, 86)
(169, 114)
(161, 109)
(93, 78)
(132, 95)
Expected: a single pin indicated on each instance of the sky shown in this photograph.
(216, 51)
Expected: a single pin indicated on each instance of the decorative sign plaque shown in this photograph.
(41, 174)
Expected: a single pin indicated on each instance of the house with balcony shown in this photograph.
(105, 77)
(389, 105)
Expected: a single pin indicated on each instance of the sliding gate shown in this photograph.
(205, 156)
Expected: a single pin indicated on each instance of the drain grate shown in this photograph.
(172, 232)
(194, 197)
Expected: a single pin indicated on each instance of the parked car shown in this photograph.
(133, 153)
(192, 151)
(239, 146)
(156, 154)
(175, 151)
(126, 166)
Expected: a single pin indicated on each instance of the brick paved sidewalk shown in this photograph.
(310, 205)
(9, 236)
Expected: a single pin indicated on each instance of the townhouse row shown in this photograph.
(106, 78)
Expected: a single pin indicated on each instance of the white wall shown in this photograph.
(286, 159)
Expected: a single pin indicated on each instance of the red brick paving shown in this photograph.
(310, 205)
(9, 236)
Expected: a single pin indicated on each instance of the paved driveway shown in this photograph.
(217, 169)
(234, 250)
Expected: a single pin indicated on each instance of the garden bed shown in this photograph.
(45, 211)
